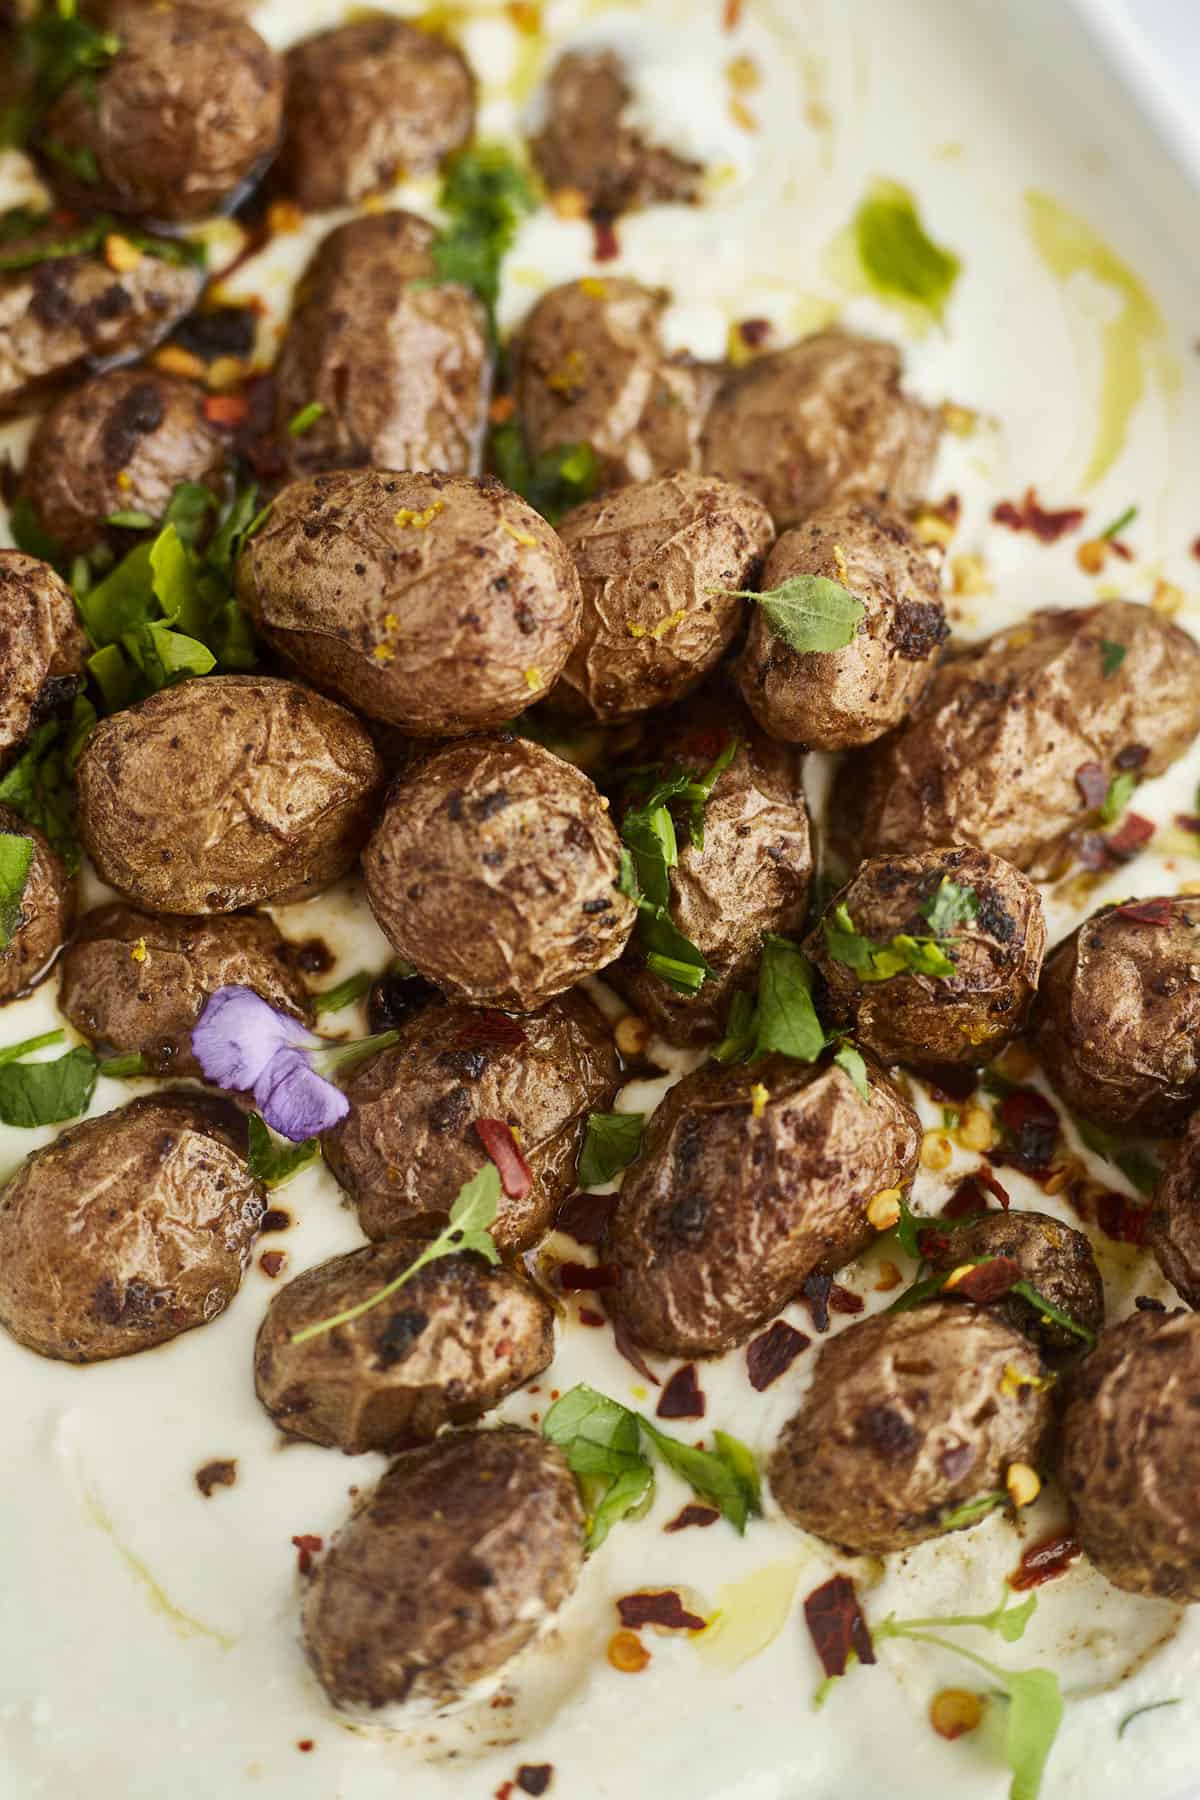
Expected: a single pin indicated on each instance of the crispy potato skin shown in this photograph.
(1174, 1234)
(592, 369)
(409, 1141)
(823, 420)
(128, 1229)
(1129, 1464)
(752, 874)
(991, 753)
(367, 101)
(399, 360)
(907, 1418)
(655, 560)
(924, 1020)
(839, 699)
(588, 146)
(443, 1350)
(70, 315)
(133, 423)
(493, 1521)
(187, 113)
(437, 604)
(46, 915)
(129, 1001)
(1057, 1259)
(1117, 1020)
(42, 646)
(724, 1216)
(226, 792)
(493, 870)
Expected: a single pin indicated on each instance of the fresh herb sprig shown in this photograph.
(810, 613)
(484, 197)
(16, 860)
(610, 1143)
(53, 1090)
(932, 1286)
(39, 784)
(783, 1019)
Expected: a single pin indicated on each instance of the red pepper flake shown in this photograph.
(588, 1317)
(987, 1179)
(516, 1176)
(490, 1027)
(1033, 1128)
(535, 1778)
(1120, 1219)
(664, 1609)
(692, 1514)
(836, 1625)
(1043, 1561)
(62, 216)
(271, 1262)
(222, 1473)
(1132, 835)
(226, 409)
(683, 1397)
(988, 1281)
(1092, 783)
(1196, 548)
(841, 1300)
(606, 246)
(504, 1791)
(1030, 515)
(583, 1278)
(585, 1217)
(772, 1353)
(1133, 756)
(307, 1546)
(1188, 822)
(275, 1220)
(1146, 912)
(731, 18)
(754, 332)
(305, 1744)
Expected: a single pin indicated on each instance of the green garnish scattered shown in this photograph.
(84, 240)
(16, 859)
(553, 482)
(485, 195)
(38, 786)
(783, 1018)
(1138, 1711)
(931, 1286)
(344, 994)
(1112, 655)
(1120, 522)
(1135, 1161)
(123, 1068)
(305, 419)
(973, 1510)
(898, 258)
(611, 1142)
(850, 1060)
(947, 911)
(45, 1093)
(81, 162)
(59, 47)
(274, 1161)
(1120, 793)
(809, 612)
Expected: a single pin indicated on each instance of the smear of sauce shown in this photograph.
(749, 1614)
(157, 1596)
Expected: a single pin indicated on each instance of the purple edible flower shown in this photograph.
(243, 1044)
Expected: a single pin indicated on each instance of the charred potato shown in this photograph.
(659, 563)
(42, 647)
(134, 982)
(910, 1416)
(824, 420)
(1002, 739)
(224, 793)
(447, 1347)
(1056, 1259)
(178, 123)
(736, 1200)
(492, 1520)
(397, 360)
(410, 1141)
(434, 603)
(991, 951)
(1129, 1462)
(368, 103)
(43, 917)
(121, 442)
(589, 146)
(1117, 1021)
(838, 699)
(128, 1228)
(494, 871)
(1174, 1234)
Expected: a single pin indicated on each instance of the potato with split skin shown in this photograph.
(397, 361)
(989, 949)
(493, 1521)
(494, 870)
(187, 113)
(135, 983)
(1054, 1258)
(433, 603)
(42, 646)
(121, 442)
(410, 1140)
(823, 420)
(369, 102)
(839, 699)
(910, 1416)
(442, 1350)
(1174, 1234)
(43, 917)
(589, 146)
(659, 562)
(750, 1180)
(226, 792)
(128, 1228)
(1117, 1020)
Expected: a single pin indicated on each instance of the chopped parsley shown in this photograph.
(305, 419)
(1120, 792)
(52, 50)
(553, 482)
(84, 240)
(947, 912)
(1112, 655)
(900, 261)
(38, 786)
(809, 612)
(45, 1093)
(1120, 522)
(484, 197)
(272, 1160)
(611, 1142)
(16, 860)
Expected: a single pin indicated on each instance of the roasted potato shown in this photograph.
(398, 361)
(494, 870)
(492, 1521)
(42, 647)
(128, 1228)
(225, 792)
(367, 103)
(910, 1416)
(1002, 746)
(990, 952)
(1174, 1234)
(824, 420)
(1117, 1020)
(1056, 1259)
(749, 1181)
(588, 145)
(431, 602)
(43, 917)
(121, 442)
(447, 1347)
(177, 125)
(1130, 1464)
(410, 1141)
(838, 699)
(591, 368)
(134, 982)
(659, 563)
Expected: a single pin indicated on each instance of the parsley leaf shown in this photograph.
(611, 1142)
(273, 1161)
(57, 47)
(787, 1019)
(1120, 793)
(552, 482)
(726, 1477)
(16, 858)
(1111, 657)
(305, 419)
(950, 907)
(849, 1058)
(902, 954)
(809, 612)
(484, 196)
(45, 1093)
(898, 258)
(972, 1510)
(38, 786)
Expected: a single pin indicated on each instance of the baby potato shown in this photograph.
(42, 646)
(44, 916)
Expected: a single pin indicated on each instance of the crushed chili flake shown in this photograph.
(987, 1179)
(587, 1317)
(627, 1652)
(583, 1278)
(222, 1473)
(1121, 1219)
(1132, 835)
(841, 1300)
(490, 1027)
(682, 1397)
(606, 246)
(692, 1514)
(504, 1791)
(226, 409)
(1033, 1131)
(275, 1220)
(967, 1199)
(731, 18)
(988, 1281)
(772, 1353)
(1188, 822)
(1146, 912)
(1031, 515)
(516, 1176)
(271, 1262)
(1196, 548)
(1092, 783)
(535, 1778)
(664, 1609)
(1092, 851)
(836, 1625)
(754, 332)
(307, 1546)
(585, 1217)
(306, 1744)
(1043, 1561)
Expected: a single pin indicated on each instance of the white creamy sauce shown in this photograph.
(150, 1636)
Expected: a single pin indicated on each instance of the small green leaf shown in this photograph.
(850, 1059)
(131, 521)
(176, 587)
(305, 419)
(78, 161)
(972, 1510)
(1034, 1716)
(16, 859)
(485, 195)
(899, 259)
(1111, 657)
(344, 994)
(809, 612)
(188, 510)
(611, 1142)
(1114, 530)
(552, 482)
(273, 1161)
(14, 1052)
(46, 1093)
(1120, 793)
(950, 907)
(726, 1477)
(121, 1068)
(902, 955)
(38, 785)
(741, 1030)
(787, 1018)
(1049, 1311)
